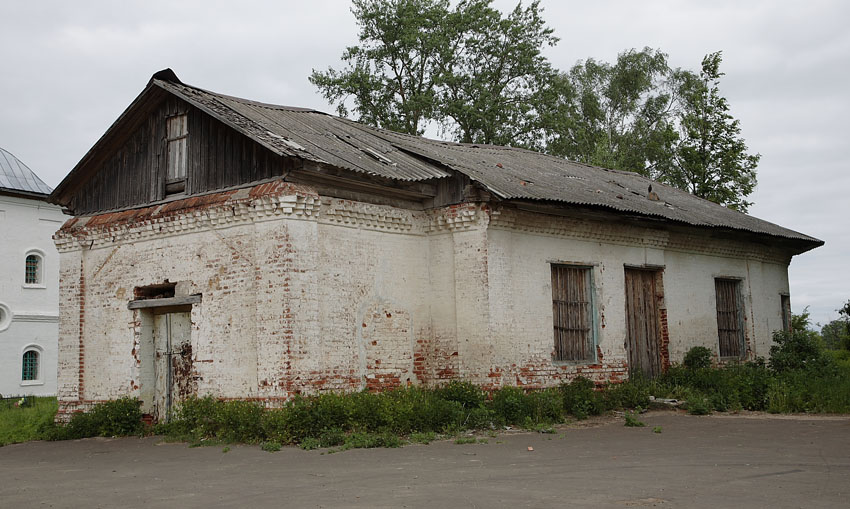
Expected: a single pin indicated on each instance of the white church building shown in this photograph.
(29, 282)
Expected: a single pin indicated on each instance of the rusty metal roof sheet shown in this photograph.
(16, 176)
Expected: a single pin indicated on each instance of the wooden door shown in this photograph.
(730, 326)
(172, 352)
(643, 332)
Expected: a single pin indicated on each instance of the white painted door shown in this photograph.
(172, 361)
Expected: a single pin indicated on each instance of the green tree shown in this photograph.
(475, 71)
(489, 88)
(836, 333)
(711, 159)
(391, 75)
(617, 116)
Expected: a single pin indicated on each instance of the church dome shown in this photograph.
(16, 176)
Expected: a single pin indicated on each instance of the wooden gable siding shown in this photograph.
(134, 173)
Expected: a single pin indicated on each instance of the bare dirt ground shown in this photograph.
(747, 460)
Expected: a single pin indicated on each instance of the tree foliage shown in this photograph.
(616, 116)
(482, 77)
(836, 334)
(711, 159)
(468, 67)
(391, 76)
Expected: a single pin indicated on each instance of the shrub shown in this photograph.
(239, 421)
(545, 406)
(479, 418)
(310, 443)
(119, 417)
(509, 405)
(698, 404)
(632, 393)
(361, 440)
(332, 438)
(796, 350)
(580, 398)
(467, 394)
(423, 437)
(698, 357)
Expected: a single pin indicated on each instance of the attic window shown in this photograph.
(177, 134)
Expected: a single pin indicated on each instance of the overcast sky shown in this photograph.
(70, 68)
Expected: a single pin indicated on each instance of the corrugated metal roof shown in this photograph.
(510, 173)
(514, 173)
(16, 176)
(310, 135)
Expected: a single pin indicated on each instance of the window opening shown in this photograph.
(572, 313)
(730, 323)
(785, 301)
(29, 366)
(33, 270)
(177, 134)
(157, 291)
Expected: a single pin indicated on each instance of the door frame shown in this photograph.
(661, 357)
(144, 311)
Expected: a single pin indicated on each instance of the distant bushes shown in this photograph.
(801, 376)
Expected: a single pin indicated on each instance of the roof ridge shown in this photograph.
(278, 107)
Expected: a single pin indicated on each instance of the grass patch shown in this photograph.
(632, 421)
(26, 421)
(423, 438)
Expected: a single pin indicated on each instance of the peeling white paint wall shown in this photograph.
(329, 294)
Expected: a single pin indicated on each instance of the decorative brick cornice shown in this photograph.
(615, 233)
(219, 210)
(460, 217)
(371, 217)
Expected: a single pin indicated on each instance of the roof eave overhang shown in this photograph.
(23, 194)
(792, 246)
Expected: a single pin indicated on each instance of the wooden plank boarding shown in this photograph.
(571, 313)
(729, 327)
(643, 320)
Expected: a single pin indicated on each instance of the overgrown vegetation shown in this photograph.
(801, 376)
(24, 419)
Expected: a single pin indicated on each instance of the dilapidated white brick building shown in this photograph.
(245, 250)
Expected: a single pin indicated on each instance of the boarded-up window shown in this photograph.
(177, 133)
(730, 322)
(786, 312)
(572, 313)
